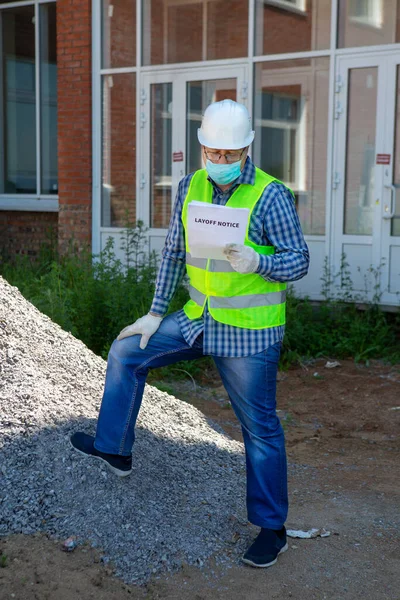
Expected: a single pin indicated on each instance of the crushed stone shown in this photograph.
(185, 499)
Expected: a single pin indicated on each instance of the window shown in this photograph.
(280, 127)
(161, 151)
(28, 104)
(299, 5)
(286, 26)
(176, 31)
(118, 33)
(291, 123)
(118, 150)
(368, 12)
(396, 158)
(360, 151)
(368, 22)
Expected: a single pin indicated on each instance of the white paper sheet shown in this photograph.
(311, 533)
(211, 227)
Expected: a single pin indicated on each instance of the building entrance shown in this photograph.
(366, 174)
(172, 104)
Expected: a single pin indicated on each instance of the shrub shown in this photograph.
(94, 297)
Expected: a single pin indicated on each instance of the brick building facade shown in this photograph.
(129, 100)
(24, 231)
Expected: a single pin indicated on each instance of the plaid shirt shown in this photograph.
(274, 222)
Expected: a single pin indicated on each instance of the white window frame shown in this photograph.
(31, 202)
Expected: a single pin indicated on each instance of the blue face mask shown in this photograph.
(223, 173)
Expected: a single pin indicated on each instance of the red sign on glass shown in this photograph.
(383, 159)
(177, 156)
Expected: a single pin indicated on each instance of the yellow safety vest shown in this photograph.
(233, 298)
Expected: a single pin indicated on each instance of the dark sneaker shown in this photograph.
(265, 549)
(84, 444)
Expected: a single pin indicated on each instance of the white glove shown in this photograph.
(242, 258)
(146, 326)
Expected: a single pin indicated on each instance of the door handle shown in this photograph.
(390, 210)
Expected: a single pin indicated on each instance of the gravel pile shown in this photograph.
(185, 498)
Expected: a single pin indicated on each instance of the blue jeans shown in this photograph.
(251, 385)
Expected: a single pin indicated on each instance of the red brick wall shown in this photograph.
(74, 121)
(24, 232)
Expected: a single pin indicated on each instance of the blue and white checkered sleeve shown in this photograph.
(283, 230)
(173, 262)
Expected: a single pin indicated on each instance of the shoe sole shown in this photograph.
(114, 470)
(253, 564)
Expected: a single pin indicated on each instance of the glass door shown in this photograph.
(390, 238)
(172, 104)
(364, 219)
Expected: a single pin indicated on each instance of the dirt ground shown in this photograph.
(342, 427)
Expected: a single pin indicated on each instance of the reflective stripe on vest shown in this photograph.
(216, 282)
(238, 301)
(214, 266)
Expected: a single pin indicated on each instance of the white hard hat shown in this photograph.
(225, 126)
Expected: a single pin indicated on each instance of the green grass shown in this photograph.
(163, 387)
(337, 329)
(95, 297)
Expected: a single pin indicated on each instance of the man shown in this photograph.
(236, 314)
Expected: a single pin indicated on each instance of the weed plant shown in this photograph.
(345, 324)
(3, 561)
(94, 297)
